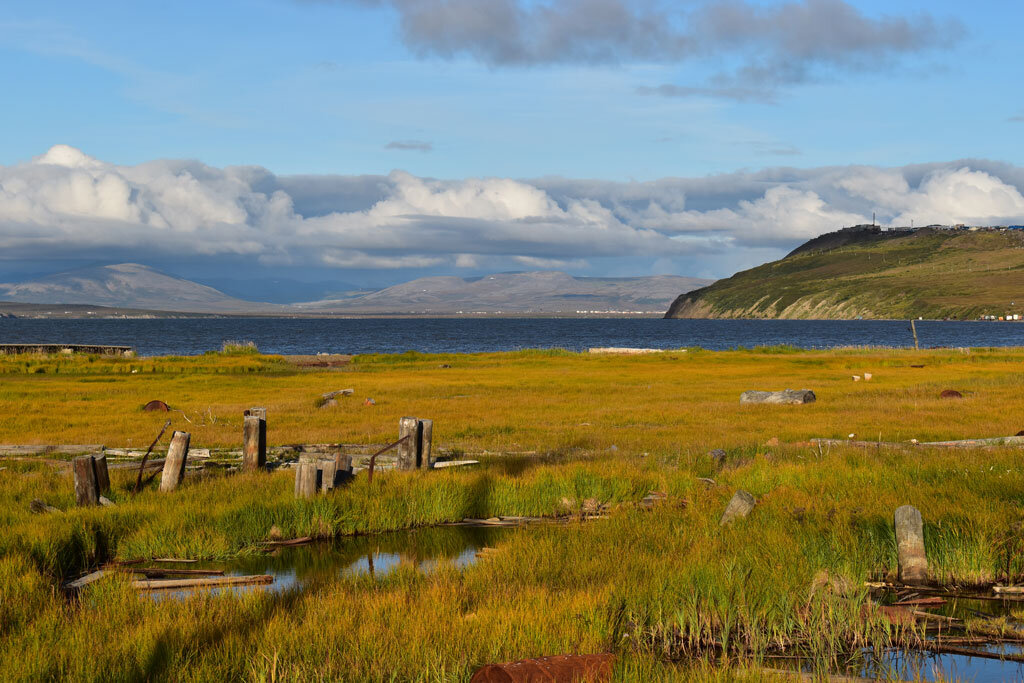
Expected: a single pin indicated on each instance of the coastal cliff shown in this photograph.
(868, 273)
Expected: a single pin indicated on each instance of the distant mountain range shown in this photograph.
(534, 292)
(127, 285)
(135, 286)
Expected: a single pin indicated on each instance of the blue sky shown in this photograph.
(443, 89)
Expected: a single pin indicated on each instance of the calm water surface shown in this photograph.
(467, 335)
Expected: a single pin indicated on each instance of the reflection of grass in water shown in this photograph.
(328, 558)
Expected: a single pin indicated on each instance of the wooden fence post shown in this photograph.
(174, 465)
(426, 443)
(86, 491)
(343, 463)
(408, 449)
(305, 480)
(102, 474)
(254, 443)
(913, 564)
(328, 471)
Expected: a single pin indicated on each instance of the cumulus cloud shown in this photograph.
(66, 204)
(764, 45)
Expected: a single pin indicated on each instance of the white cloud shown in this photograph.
(66, 204)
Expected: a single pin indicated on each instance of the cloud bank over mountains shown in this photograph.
(66, 204)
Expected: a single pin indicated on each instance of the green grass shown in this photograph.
(929, 274)
(675, 595)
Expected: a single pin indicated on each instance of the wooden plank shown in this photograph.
(87, 579)
(178, 560)
(426, 433)
(51, 449)
(212, 582)
(174, 465)
(408, 449)
(102, 476)
(1011, 590)
(86, 491)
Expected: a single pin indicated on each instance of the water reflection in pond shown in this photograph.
(376, 555)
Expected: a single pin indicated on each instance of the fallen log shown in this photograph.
(1012, 590)
(292, 541)
(961, 443)
(213, 582)
(785, 397)
(929, 646)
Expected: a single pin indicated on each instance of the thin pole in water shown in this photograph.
(913, 328)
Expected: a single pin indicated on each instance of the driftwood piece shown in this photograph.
(254, 443)
(408, 432)
(1008, 590)
(174, 465)
(785, 397)
(454, 463)
(211, 582)
(175, 560)
(87, 579)
(739, 506)
(913, 565)
(86, 490)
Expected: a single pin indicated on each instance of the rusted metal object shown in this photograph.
(142, 465)
(373, 458)
(557, 669)
(156, 407)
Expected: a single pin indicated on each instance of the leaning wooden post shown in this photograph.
(426, 443)
(174, 465)
(102, 474)
(343, 463)
(305, 480)
(254, 443)
(913, 565)
(408, 449)
(256, 412)
(86, 490)
(913, 328)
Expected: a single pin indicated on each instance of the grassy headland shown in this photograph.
(674, 594)
(928, 273)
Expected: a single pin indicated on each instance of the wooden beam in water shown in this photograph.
(211, 582)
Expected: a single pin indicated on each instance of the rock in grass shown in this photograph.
(38, 507)
(786, 397)
(951, 393)
(717, 457)
(739, 507)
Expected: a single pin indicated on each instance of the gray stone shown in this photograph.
(739, 507)
(717, 456)
(786, 397)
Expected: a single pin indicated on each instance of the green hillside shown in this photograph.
(860, 273)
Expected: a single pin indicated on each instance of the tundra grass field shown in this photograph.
(672, 593)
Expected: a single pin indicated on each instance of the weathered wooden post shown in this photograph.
(426, 443)
(913, 565)
(328, 470)
(305, 480)
(86, 490)
(254, 443)
(102, 474)
(408, 449)
(343, 463)
(174, 465)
